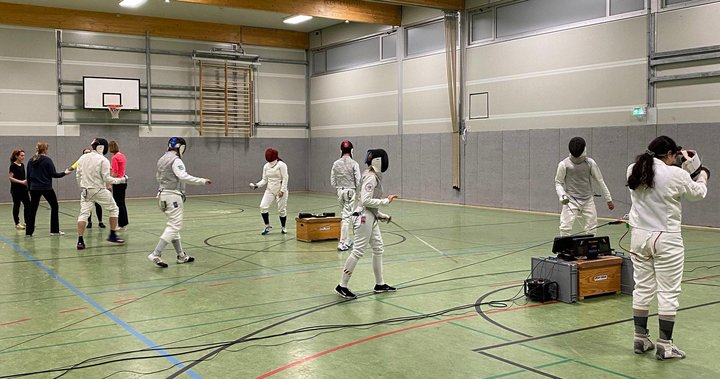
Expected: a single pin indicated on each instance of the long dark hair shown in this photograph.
(15, 155)
(642, 173)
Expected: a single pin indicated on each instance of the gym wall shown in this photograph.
(29, 108)
(542, 89)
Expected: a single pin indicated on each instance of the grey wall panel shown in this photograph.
(490, 169)
(704, 139)
(27, 76)
(281, 113)
(28, 108)
(688, 27)
(14, 42)
(470, 164)
(279, 88)
(429, 179)
(544, 147)
(515, 169)
(411, 162)
(609, 150)
(395, 184)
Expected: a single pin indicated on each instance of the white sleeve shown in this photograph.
(105, 173)
(597, 175)
(284, 175)
(692, 190)
(332, 176)
(358, 176)
(263, 181)
(178, 168)
(560, 180)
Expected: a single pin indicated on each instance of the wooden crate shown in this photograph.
(599, 276)
(317, 228)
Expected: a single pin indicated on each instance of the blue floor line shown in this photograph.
(99, 307)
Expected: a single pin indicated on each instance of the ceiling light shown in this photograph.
(296, 19)
(132, 3)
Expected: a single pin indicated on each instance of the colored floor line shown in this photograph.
(363, 340)
(99, 307)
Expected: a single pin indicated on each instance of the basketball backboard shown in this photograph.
(99, 92)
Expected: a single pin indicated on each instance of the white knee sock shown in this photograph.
(348, 269)
(177, 246)
(160, 246)
(378, 268)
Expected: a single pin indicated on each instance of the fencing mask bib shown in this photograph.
(100, 145)
(179, 144)
(377, 159)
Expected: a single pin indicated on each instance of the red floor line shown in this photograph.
(15, 322)
(352, 343)
(176, 291)
(218, 284)
(72, 310)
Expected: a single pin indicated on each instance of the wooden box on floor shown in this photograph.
(598, 276)
(317, 228)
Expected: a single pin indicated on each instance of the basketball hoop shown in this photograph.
(114, 110)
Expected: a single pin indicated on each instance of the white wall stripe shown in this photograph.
(689, 104)
(564, 112)
(355, 97)
(425, 88)
(26, 92)
(284, 76)
(426, 121)
(599, 66)
(355, 126)
(27, 60)
(283, 102)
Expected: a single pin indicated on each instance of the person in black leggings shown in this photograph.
(40, 172)
(18, 187)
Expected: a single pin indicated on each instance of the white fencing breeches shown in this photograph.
(346, 198)
(269, 197)
(574, 210)
(172, 205)
(367, 233)
(658, 262)
(90, 196)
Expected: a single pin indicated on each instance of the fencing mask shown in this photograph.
(100, 145)
(178, 144)
(346, 147)
(689, 160)
(377, 159)
(271, 154)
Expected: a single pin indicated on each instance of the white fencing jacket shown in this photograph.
(658, 209)
(93, 171)
(275, 175)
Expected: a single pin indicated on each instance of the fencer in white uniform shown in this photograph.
(345, 177)
(275, 176)
(93, 178)
(366, 221)
(172, 178)
(574, 186)
(656, 245)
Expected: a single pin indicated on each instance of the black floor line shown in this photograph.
(490, 320)
(571, 331)
(516, 364)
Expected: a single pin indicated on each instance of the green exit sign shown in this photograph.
(639, 112)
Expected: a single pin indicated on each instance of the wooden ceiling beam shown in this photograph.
(351, 10)
(454, 5)
(72, 19)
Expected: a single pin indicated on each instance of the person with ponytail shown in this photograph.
(40, 173)
(657, 187)
(275, 176)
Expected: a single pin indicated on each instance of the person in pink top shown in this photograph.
(117, 169)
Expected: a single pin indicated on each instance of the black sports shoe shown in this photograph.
(383, 288)
(115, 239)
(89, 225)
(345, 292)
(80, 245)
(101, 225)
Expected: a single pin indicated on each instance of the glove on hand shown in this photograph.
(253, 186)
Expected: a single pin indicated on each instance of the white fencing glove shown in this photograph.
(384, 218)
(253, 186)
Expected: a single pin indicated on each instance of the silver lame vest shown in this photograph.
(166, 178)
(577, 179)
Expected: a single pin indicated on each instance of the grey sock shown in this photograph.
(160, 246)
(177, 246)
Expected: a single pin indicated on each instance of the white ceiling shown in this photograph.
(188, 11)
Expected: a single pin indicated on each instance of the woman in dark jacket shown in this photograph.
(18, 187)
(40, 173)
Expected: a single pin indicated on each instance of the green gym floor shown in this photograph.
(254, 306)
